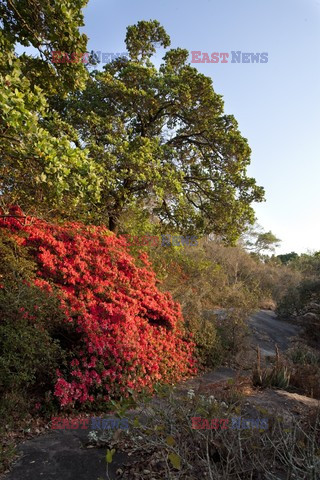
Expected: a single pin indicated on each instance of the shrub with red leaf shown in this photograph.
(130, 335)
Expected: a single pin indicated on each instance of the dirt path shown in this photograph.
(63, 455)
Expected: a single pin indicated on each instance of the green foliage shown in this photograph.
(233, 331)
(29, 319)
(299, 299)
(211, 276)
(306, 379)
(208, 344)
(308, 264)
(163, 142)
(303, 299)
(309, 292)
(258, 242)
(29, 356)
(287, 257)
(109, 455)
(175, 460)
(266, 241)
(208, 277)
(304, 367)
(47, 26)
(304, 355)
(129, 138)
(290, 303)
(142, 38)
(39, 170)
(278, 376)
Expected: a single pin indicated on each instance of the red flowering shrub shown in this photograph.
(130, 335)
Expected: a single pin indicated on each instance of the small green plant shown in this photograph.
(278, 376)
(303, 355)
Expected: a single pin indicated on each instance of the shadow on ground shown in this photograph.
(64, 455)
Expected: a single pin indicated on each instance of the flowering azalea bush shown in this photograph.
(129, 334)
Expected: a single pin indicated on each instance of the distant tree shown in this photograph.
(287, 257)
(308, 264)
(257, 241)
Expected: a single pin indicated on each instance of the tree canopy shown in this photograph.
(95, 146)
(41, 169)
(163, 141)
(286, 258)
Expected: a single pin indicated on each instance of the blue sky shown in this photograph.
(277, 104)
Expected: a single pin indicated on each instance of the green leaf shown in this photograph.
(175, 460)
(109, 455)
(170, 441)
(159, 428)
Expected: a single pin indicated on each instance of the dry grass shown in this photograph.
(164, 445)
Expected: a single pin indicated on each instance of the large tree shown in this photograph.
(128, 138)
(163, 141)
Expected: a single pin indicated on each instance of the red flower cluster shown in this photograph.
(132, 334)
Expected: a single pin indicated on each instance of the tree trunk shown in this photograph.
(113, 224)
